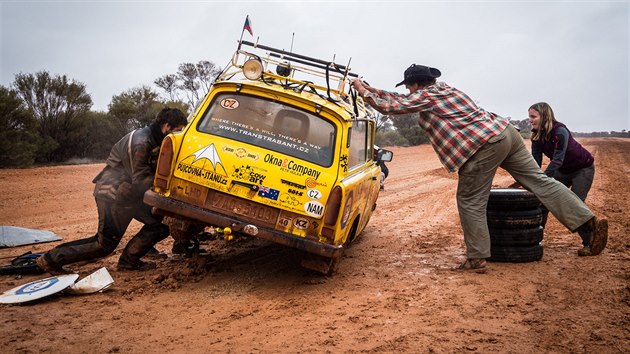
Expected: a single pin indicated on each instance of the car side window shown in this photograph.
(359, 147)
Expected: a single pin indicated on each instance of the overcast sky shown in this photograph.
(507, 55)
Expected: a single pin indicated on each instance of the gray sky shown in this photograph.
(507, 55)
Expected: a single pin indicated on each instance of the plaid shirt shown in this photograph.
(457, 127)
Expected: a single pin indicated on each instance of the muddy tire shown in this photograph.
(320, 264)
(516, 254)
(514, 219)
(516, 237)
(512, 199)
(514, 223)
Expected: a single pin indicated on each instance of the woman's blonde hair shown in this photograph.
(546, 121)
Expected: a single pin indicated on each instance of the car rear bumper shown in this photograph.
(175, 208)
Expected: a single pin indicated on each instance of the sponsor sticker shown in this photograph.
(241, 152)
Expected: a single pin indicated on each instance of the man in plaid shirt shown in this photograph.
(475, 143)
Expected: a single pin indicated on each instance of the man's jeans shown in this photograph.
(508, 151)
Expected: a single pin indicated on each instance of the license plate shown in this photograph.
(189, 192)
(242, 209)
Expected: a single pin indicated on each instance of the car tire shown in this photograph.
(514, 219)
(516, 254)
(512, 199)
(514, 223)
(516, 237)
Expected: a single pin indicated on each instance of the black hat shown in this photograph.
(418, 71)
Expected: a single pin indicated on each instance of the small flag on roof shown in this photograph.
(248, 25)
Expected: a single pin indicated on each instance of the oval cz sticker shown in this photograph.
(229, 103)
(313, 208)
(314, 194)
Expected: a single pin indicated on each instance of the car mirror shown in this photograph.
(385, 155)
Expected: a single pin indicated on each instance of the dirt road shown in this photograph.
(394, 291)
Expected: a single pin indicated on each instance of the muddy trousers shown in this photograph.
(580, 183)
(507, 150)
(113, 220)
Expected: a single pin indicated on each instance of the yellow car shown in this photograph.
(275, 155)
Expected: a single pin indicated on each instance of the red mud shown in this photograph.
(394, 290)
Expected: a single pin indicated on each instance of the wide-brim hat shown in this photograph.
(419, 71)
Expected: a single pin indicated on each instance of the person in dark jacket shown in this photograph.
(570, 163)
(119, 190)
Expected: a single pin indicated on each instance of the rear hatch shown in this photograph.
(262, 150)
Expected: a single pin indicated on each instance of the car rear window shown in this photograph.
(271, 125)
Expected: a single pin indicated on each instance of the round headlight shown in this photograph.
(252, 69)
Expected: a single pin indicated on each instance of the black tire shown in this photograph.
(512, 199)
(516, 254)
(516, 237)
(514, 219)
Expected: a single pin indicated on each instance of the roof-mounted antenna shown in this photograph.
(292, 37)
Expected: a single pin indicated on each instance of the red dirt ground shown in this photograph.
(394, 290)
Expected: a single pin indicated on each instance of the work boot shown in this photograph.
(585, 251)
(597, 231)
(138, 265)
(153, 253)
(49, 267)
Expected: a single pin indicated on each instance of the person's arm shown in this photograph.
(392, 102)
(142, 177)
(559, 150)
(537, 152)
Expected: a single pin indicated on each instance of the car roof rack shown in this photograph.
(289, 65)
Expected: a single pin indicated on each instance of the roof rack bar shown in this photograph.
(311, 64)
(319, 61)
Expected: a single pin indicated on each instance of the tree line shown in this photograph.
(48, 119)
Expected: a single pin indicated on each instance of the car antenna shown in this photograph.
(292, 37)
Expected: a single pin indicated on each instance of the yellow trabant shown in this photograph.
(272, 154)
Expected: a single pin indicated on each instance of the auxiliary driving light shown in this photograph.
(252, 69)
(283, 69)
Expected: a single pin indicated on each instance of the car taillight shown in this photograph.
(332, 207)
(164, 163)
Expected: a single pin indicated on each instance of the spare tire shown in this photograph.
(514, 223)
(514, 219)
(512, 199)
(516, 237)
(516, 254)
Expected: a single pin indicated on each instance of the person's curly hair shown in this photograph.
(173, 116)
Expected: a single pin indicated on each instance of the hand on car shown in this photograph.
(356, 83)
